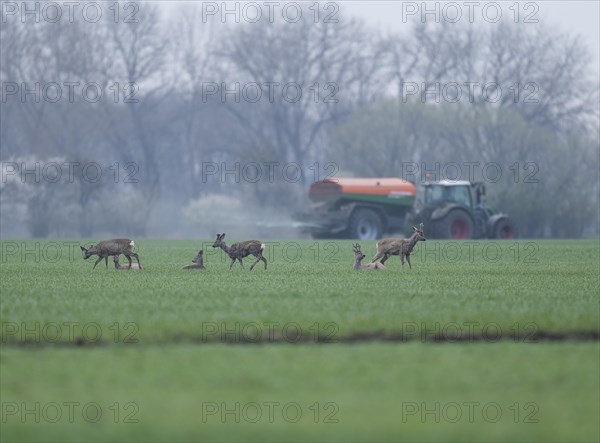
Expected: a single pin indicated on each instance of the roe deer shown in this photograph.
(358, 256)
(237, 251)
(399, 246)
(119, 266)
(106, 248)
(198, 262)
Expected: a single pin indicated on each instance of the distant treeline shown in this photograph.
(173, 125)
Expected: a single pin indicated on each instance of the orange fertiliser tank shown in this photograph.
(391, 191)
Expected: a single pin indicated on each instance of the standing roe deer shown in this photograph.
(237, 251)
(358, 256)
(106, 248)
(399, 246)
(198, 262)
(121, 267)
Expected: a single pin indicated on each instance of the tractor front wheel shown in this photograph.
(457, 225)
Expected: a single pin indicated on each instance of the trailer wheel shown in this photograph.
(365, 224)
(504, 229)
(457, 225)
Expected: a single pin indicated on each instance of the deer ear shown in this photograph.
(200, 252)
(82, 248)
(415, 229)
(222, 236)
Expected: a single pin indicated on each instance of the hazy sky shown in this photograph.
(581, 17)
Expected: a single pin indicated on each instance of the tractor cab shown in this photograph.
(457, 210)
(438, 193)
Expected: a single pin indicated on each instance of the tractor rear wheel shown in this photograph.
(365, 224)
(504, 229)
(457, 225)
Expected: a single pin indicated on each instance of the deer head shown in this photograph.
(419, 233)
(219, 241)
(358, 255)
(88, 252)
(198, 258)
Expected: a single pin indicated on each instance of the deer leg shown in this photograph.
(408, 260)
(136, 257)
(129, 260)
(232, 262)
(402, 260)
(258, 258)
(97, 261)
(377, 257)
(241, 262)
(385, 257)
(265, 260)
(106, 261)
(252, 265)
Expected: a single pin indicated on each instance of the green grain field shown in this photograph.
(479, 341)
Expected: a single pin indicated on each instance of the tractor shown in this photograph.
(457, 210)
(368, 208)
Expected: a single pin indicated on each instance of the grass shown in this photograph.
(557, 293)
(159, 356)
(368, 392)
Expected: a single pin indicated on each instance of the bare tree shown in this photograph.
(331, 64)
(194, 59)
(136, 53)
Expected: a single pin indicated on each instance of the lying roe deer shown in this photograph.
(237, 251)
(119, 266)
(106, 248)
(399, 246)
(198, 262)
(358, 257)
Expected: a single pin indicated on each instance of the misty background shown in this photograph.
(173, 120)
